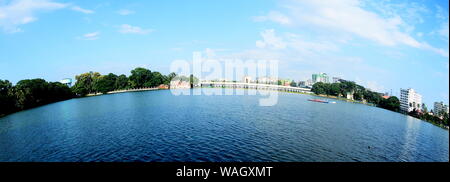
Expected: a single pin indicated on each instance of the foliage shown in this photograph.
(392, 103)
(106, 83)
(293, 84)
(360, 93)
(140, 77)
(31, 93)
(7, 102)
(85, 83)
(122, 82)
(441, 120)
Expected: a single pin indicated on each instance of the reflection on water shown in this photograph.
(157, 126)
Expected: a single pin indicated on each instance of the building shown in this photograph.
(321, 77)
(179, 84)
(247, 79)
(440, 107)
(66, 81)
(410, 100)
(301, 84)
(267, 80)
(285, 82)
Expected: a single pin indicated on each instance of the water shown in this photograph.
(157, 126)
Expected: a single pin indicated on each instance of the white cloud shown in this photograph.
(125, 12)
(128, 29)
(274, 16)
(293, 42)
(348, 17)
(79, 9)
(20, 12)
(91, 36)
(374, 86)
(270, 40)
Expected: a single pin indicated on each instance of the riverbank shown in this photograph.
(124, 91)
(370, 104)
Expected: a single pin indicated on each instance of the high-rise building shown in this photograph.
(321, 77)
(410, 100)
(440, 107)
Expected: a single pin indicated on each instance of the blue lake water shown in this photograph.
(158, 126)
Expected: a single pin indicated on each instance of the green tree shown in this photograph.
(140, 77)
(106, 83)
(156, 80)
(7, 101)
(392, 103)
(85, 83)
(169, 78)
(37, 92)
(319, 88)
(121, 82)
(293, 84)
(334, 89)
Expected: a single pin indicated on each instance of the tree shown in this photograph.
(85, 83)
(140, 77)
(121, 82)
(37, 92)
(169, 78)
(319, 88)
(334, 89)
(293, 84)
(7, 104)
(106, 83)
(392, 103)
(279, 82)
(156, 80)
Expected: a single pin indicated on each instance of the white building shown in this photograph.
(440, 107)
(309, 83)
(267, 80)
(179, 84)
(66, 81)
(410, 100)
(247, 79)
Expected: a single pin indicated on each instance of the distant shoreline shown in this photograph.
(312, 94)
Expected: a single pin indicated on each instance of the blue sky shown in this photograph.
(384, 45)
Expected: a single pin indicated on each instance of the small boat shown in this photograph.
(318, 100)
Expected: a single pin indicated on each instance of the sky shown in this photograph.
(381, 44)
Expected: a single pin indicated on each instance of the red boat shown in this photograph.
(317, 100)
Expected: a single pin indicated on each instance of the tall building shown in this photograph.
(309, 83)
(321, 77)
(410, 100)
(440, 107)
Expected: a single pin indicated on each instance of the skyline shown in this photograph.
(378, 44)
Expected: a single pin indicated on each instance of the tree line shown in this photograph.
(359, 93)
(32, 93)
(27, 94)
(94, 82)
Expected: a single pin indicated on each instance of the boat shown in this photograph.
(318, 100)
